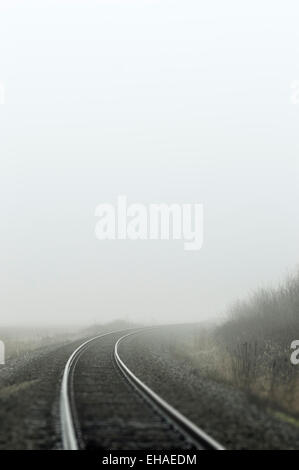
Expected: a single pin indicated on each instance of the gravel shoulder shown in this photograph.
(29, 398)
(227, 414)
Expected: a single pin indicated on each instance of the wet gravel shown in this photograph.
(110, 413)
(227, 414)
(29, 398)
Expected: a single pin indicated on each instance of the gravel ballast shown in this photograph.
(29, 399)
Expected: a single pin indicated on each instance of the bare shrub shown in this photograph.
(257, 336)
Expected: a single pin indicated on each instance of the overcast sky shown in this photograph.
(163, 101)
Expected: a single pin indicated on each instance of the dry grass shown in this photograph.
(251, 349)
(20, 341)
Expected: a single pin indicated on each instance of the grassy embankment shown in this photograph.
(251, 348)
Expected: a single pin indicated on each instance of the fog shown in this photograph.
(161, 101)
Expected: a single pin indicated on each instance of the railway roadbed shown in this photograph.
(109, 414)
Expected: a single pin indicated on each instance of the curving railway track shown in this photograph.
(103, 405)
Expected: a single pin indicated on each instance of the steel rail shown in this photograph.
(195, 435)
(67, 417)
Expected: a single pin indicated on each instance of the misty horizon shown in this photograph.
(165, 103)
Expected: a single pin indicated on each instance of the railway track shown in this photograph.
(103, 405)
